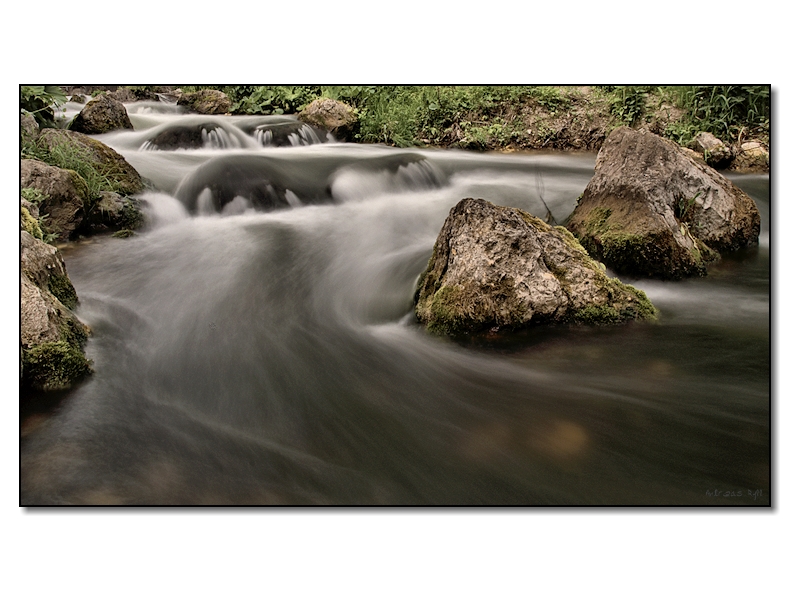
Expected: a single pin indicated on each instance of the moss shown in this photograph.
(73, 331)
(597, 314)
(60, 286)
(54, 366)
(597, 218)
(570, 239)
(640, 306)
(535, 222)
(443, 316)
(124, 233)
(30, 224)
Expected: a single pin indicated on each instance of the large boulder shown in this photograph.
(101, 115)
(65, 196)
(205, 102)
(116, 173)
(651, 210)
(498, 267)
(51, 336)
(332, 116)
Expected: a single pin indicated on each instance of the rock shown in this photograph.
(182, 137)
(498, 267)
(121, 177)
(113, 212)
(650, 210)
(333, 116)
(67, 195)
(28, 127)
(101, 115)
(51, 336)
(44, 266)
(206, 102)
(752, 156)
(715, 152)
(127, 94)
(28, 219)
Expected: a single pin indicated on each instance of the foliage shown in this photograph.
(727, 112)
(40, 101)
(628, 103)
(269, 100)
(33, 195)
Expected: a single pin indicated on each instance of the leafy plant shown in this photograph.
(628, 103)
(33, 195)
(269, 100)
(40, 101)
(684, 207)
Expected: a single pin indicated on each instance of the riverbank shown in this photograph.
(522, 118)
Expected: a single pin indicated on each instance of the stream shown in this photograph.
(255, 344)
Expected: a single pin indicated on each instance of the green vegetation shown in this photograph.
(728, 112)
(41, 101)
(497, 117)
(53, 366)
(30, 224)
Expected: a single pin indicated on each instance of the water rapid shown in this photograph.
(255, 344)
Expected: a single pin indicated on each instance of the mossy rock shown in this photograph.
(54, 366)
(498, 268)
(650, 210)
(114, 172)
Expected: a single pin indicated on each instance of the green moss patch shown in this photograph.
(54, 366)
(60, 286)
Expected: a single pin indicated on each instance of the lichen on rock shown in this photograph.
(502, 268)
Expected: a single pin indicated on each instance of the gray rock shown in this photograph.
(68, 193)
(332, 116)
(499, 267)
(29, 128)
(114, 212)
(715, 152)
(101, 115)
(651, 210)
(51, 336)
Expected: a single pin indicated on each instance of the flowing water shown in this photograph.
(255, 344)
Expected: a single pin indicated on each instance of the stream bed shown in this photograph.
(255, 344)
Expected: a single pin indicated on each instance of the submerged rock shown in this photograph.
(112, 212)
(498, 267)
(51, 336)
(651, 210)
(101, 115)
(333, 116)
